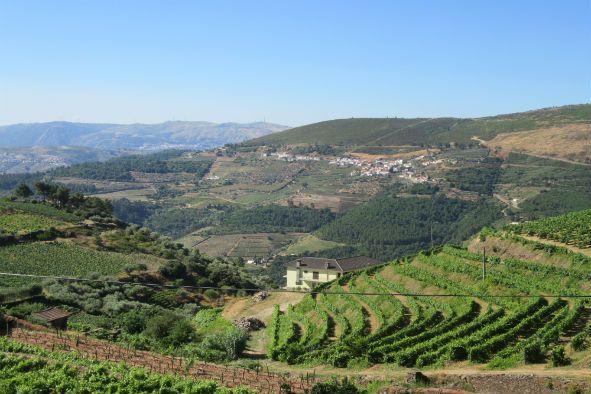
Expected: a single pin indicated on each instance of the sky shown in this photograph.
(288, 62)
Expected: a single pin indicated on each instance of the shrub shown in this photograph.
(532, 353)
(159, 327)
(559, 357)
(173, 269)
(181, 332)
(227, 345)
(25, 309)
(211, 294)
(336, 387)
(579, 342)
(458, 353)
(129, 268)
(134, 321)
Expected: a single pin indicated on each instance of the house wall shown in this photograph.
(307, 276)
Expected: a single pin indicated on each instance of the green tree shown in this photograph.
(23, 191)
(45, 190)
(62, 195)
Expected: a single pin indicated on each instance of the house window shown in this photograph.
(338, 274)
(305, 272)
(315, 275)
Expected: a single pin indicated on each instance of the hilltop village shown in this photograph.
(404, 168)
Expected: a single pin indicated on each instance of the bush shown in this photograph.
(181, 332)
(336, 387)
(158, 327)
(532, 353)
(579, 342)
(25, 309)
(458, 353)
(224, 346)
(134, 321)
(173, 269)
(211, 294)
(559, 357)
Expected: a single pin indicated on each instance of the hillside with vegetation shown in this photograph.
(565, 126)
(270, 203)
(143, 300)
(388, 226)
(75, 236)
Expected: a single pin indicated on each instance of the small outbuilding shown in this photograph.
(54, 316)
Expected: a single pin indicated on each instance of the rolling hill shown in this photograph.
(566, 128)
(146, 137)
(22, 159)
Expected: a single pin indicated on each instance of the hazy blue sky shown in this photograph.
(291, 62)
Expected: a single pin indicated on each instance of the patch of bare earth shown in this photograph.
(568, 142)
(504, 248)
(245, 307)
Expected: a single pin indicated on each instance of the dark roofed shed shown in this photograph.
(54, 316)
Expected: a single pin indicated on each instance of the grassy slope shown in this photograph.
(398, 131)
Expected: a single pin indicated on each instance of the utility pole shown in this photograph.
(484, 264)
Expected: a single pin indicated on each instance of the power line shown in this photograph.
(73, 279)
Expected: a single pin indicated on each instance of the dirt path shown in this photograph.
(245, 307)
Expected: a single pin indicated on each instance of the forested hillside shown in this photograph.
(388, 226)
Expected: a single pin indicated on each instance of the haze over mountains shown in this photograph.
(143, 137)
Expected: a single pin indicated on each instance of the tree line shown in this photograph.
(60, 196)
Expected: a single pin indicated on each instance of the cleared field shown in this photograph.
(336, 203)
(102, 185)
(569, 142)
(132, 195)
(246, 245)
(309, 243)
(397, 152)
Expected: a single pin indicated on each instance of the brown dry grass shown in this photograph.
(569, 142)
(401, 155)
(504, 248)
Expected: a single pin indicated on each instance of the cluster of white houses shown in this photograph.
(307, 272)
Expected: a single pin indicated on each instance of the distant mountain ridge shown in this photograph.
(22, 159)
(143, 137)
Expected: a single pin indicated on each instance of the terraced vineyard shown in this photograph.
(572, 229)
(26, 223)
(38, 209)
(421, 325)
(58, 258)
